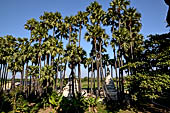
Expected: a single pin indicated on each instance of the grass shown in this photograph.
(85, 84)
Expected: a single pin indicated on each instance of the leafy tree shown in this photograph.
(152, 77)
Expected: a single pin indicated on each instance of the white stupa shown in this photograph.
(69, 85)
(110, 86)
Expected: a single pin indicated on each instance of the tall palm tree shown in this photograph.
(3, 59)
(115, 19)
(87, 64)
(133, 24)
(70, 21)
(81, 19)
(27, 54)
(52, 21)
(73, 55)
(31, 26)
(23, 44)
(13, 63)
(94, 31)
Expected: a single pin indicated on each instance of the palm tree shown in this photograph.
(115, 19)
(31, 25)
(70, 21)
(52, 21)
(34, 72)
(87, 64)
(47, 78)
(133, 25)
(3, 57)
(94, 31)
(81, 19)
(82, 55)
(105, 59)
(27, 57)
(12, 56)
(23, 46)
(61, 69)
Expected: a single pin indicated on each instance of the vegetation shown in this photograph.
(141, 65)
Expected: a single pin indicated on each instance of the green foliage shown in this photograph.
(76, 105)
(92, 102)
(147, 86)
(19, 103)
(47, 76)
(22, 104)
(35, 108)
(5, 104)
(33, 71)
(146, 61)
(55, 99)
(151, 75)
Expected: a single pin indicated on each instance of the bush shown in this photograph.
(5, 104)
(76, 104)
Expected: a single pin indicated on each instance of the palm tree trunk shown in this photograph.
(116, 68)
(102, 74)
(72, 74)
(88, 80)
(26, 78)
(111, 70)
(61, 81)
(53, 31)
(98, 85)
(52, 60)
(35, 85)
(105, 71)
(40, 65)
(0, 75)
(4, 72)
(70, 30)
(56, 79)
(44, 59)
(122, 78)
(79, 76)
(79, 35)
(98, 80)
(47, 59)
(98, 76)
(6, 77)
(119, 71)
(21, 80)
(92, 78)
(13, 80)
(131, 43)
(30, 83)
(131, 49)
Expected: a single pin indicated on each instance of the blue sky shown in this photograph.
(15, 13)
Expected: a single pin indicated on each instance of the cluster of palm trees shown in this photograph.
(43, 57)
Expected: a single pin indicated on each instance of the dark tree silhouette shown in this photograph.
(168, 14)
